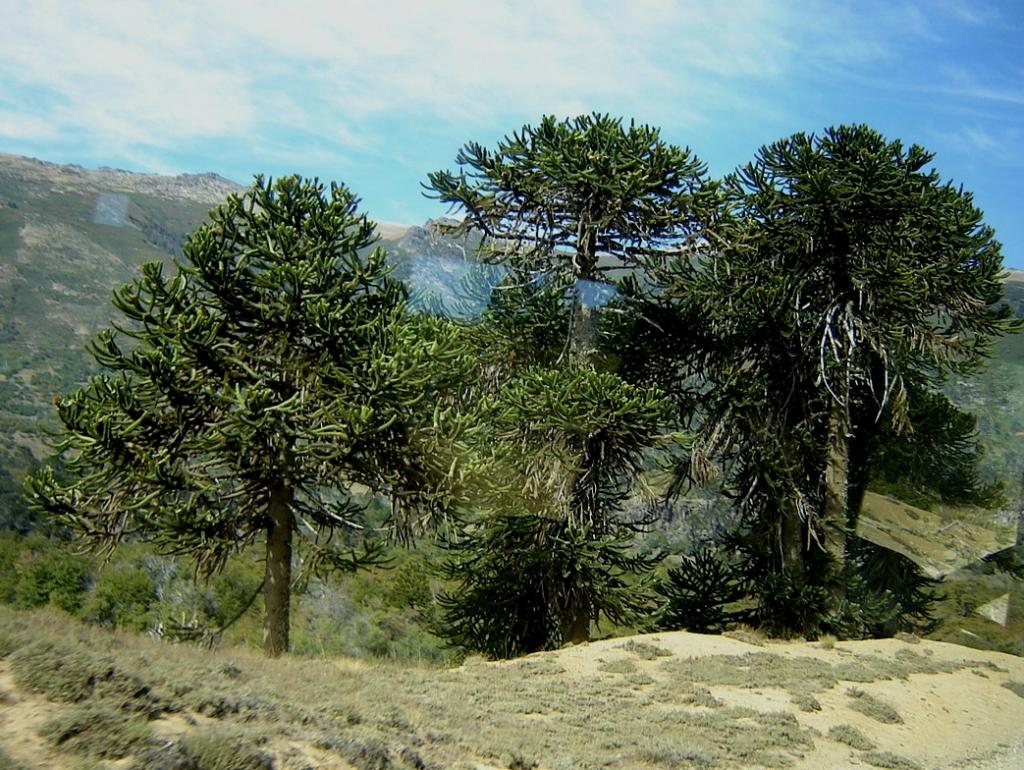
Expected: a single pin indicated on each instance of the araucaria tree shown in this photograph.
(561, 205)
(572, 200)
(244, 395)
(853, 280)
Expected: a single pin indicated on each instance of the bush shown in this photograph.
(71, 675)
(98, 730)
(516, 575)
(218, 750)
(870, 706)
(851, 736)
(890, 592)
(697, 594)
(122, 597)
(52, 577)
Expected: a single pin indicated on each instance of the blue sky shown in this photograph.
(379, 94)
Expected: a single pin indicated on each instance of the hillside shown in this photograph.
(68, 237)
(672, 700)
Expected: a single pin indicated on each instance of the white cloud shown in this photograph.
(16, 125)
(156, 73)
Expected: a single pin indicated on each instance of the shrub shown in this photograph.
(218, 750)
(97, 730)
(69, 674)
(697, 594)
(9, 642)
(53, 577)
(122, 597)
(1017, 688)
(870, 706)
(515, 576)
(886, 759)
(850, 736)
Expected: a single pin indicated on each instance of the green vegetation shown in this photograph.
(217, 750)
(250, 391)
(870, 706)
(568, 201)
(274, 401)
(850, 278)
(889, 760)
(851, 736)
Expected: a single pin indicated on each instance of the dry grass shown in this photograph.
(870, 706)
(887, 759)
(98, 730)
(643, 707)
(850, 736)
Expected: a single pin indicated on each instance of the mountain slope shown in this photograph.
(68, 237)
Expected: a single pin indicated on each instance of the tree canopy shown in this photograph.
(253, 394)
(573, 200)
(851, 275)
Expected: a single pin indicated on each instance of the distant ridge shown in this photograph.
(205, 188)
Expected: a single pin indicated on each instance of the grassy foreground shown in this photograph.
(76, 697)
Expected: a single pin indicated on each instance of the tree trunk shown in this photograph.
(576, 625)
(583, 321)
(582, 349)
(836, 527)
(278, 578)
(791, 544)
(583, 330)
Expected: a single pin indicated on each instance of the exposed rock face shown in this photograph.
(40, 178)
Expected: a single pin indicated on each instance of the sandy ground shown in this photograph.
(962, 720)
(955, 713)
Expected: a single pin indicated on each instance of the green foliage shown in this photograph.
(272, 371)
(213, 749)
(937, 461)
(846, 274)
(587, 186)
(53, 577)
(890, 592)
(122, 597)
(516, 575)
(697, 594)
(549, 551)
